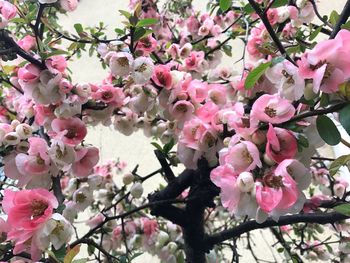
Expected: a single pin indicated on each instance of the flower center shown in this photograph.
(142, 68)
(72, 132)
(271, 112)
(123, 61)
(246, 156)
(38, 207)
(273, 181)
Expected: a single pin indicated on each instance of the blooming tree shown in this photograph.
(248, 137)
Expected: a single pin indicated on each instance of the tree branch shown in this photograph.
(342, 19)
(269, 29)
(319, 218)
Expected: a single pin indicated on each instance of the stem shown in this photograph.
(319, 218)
(269, 29)
(342, 19)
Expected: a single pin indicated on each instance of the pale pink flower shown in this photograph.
(86, 159)
(193, 61)
(182, 110)
(56, 64)
(146, 45)
(198, 90)
(243, 156)
(7, 12)
(272, 109)
(69, 5)
(71, 131)
(142, 70)
(27, 43)
(120, 63)
(281, 144)
(109, 94)
(28, 74)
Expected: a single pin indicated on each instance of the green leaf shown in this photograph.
(248, 9)
(158, 147)
(344, 118)
(327, 130)
(279, 3)
(167, 147)
(125, 13)
(333, 18)
(314, 34)
(343, 209)
(339, 162)
(225, 5)
(79, 28)
(255, 75)
(147, 22)
(81, 260)
(60, 253)
(140, 32)
(280, 250)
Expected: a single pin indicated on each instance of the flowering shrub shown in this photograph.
(249, 138)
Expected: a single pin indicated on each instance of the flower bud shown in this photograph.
(15, 123)
(128, 178)
(172, 247)
(24, 131)
(22, 147)
(245, 182)
(163, 237)
(259, 137)
(136, 190)
(11, 138)
(268, 160)
(339, 190)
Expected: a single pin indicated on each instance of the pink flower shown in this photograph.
(198, 90)
(162, 76)
(28, 74)
(182, 110)
(147, 45)
(69, 5)
(71, 131)
(27, 211)
(56, 64)
(243, 156)
(149, 226)
(276, 192)
(272, 109)
(109, 94)
(194, 60)
(27, 42)
(272, 15)
(7, 12)
(86, 160)
(281, 144)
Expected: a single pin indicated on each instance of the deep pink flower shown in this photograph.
(7, 11)
(109, 94)
(272, 109)
(27, 43)
(71, 131)
(27, 211)
(162, 76)
(149, 226)
(281, 144)
(28, 74)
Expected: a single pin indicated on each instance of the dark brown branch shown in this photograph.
(168, 173)
(4, 36)
(270, 30)
(318, 218)
(342, 19)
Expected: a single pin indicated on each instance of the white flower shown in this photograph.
(47, 1)
(24, 130)
(83, 197)
(142, 70)
(62, 155)
(128, 178)
(136, 190)
(57, 231)
(120, 63)
(11, 138)
(245, 182)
